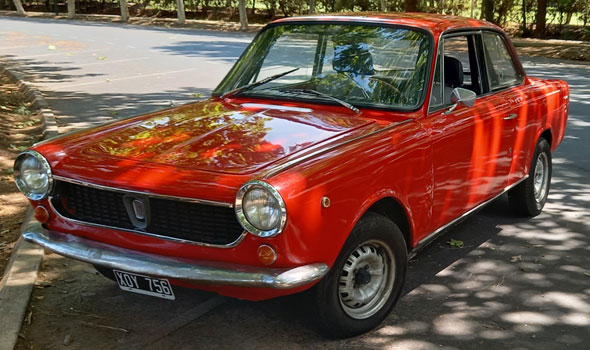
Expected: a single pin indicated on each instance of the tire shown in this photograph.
(375, 242)
(106, 272)
(529, 197)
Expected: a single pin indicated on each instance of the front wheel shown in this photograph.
(365, 282)
(529, 197)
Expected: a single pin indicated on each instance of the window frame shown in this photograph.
(475, 35)
(515, 62)
(482, 64)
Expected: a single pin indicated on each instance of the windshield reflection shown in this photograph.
(364, 65)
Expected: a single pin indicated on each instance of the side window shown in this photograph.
(457, 67)
(501, 71)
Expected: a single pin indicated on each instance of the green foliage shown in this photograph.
(455, 243)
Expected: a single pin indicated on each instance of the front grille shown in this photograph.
(195, 222)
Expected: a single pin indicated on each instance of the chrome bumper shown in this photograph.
(205, 272)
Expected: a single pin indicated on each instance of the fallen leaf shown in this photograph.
(516, 258)
(102, 58)
(51, 47)
(587, 274)
(455, 243)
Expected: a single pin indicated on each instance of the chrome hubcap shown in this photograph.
(366, 280)
(541, 177)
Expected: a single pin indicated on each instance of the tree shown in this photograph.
(383, 5)
(124, 10)
(311, 6)
(180, 10)
(71, 8)
(19, 8)
(243, 15)
(411, 5)
(487, 10)
(541, 18)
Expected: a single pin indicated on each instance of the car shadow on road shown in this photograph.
(519, 283)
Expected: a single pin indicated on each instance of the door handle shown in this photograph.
(511, 116)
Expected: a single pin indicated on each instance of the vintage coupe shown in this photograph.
(335, 149)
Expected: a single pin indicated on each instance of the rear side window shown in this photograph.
(501, 71)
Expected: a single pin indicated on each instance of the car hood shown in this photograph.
(212, 136)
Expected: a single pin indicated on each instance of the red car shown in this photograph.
(334, 150)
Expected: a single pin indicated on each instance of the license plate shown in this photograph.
(157, 287)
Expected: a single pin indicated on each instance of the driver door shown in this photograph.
(470, 160)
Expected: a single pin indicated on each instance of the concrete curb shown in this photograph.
(16, 287)
(21, 272)
(37, 99)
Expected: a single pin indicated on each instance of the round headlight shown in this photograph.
(32, 174)
(260, 209)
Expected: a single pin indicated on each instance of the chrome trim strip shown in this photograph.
(172, 239)
(431, 237)
(511, 116)
(149, 194)
(215, 273)
(316, 153)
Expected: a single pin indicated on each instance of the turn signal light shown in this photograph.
(41, 214)
(266, 254)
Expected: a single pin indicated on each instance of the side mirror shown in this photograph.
(460, 96)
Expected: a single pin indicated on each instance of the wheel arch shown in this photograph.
(394, 210)
(547, 135)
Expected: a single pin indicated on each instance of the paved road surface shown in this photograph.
(517, 283)
(93, 72)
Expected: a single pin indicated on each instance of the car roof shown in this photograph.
(434, 23)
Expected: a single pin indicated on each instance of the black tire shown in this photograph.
(106, 272)
(328, 305)
(524, 199)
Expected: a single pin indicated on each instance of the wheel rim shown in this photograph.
(366, 279)
(541, 177)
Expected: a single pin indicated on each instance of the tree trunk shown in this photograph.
(487, 10)
(586, 14)
(124, 10)
(180, 11)
(541, 18)
(71, 8)
(19, 8)
(411, 6)
(523, 17)
(243, 15)
(311, 6)
(383, 5)
(568, 18)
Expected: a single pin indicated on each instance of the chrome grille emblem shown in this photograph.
(138, 209)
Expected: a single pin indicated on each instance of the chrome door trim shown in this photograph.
(511, 116)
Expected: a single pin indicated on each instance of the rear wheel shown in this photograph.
(529, 197)
(365, 282)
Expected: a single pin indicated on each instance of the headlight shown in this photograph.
(32, 174)
(260, 209)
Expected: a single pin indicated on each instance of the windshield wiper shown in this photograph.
(256, 83)
(321, 94)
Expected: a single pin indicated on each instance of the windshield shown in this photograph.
(363, 65)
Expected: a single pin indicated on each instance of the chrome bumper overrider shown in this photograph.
(215, 273)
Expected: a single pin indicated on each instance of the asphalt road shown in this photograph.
(517, 283)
